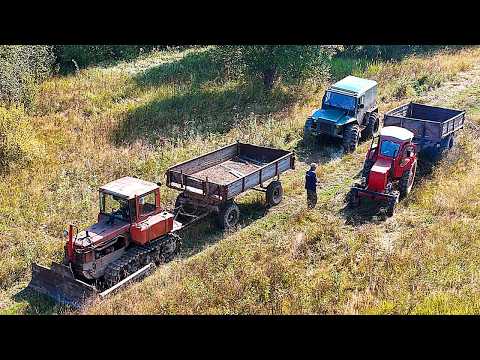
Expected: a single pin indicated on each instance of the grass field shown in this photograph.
(138, 118)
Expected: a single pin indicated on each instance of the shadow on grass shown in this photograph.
(371, 211)
(194, 97)
(38, 304)
(206, 232)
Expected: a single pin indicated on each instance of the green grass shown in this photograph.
(104, 123)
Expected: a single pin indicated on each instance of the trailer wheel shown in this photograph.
(274, 193)
(451, 142)
(228, 216)
(373, 126)
(351, 135)
(406, 182)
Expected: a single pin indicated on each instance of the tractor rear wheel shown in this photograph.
(406, 182)
(274, 193)
(353, 199)
(351, 135)
(373, 126)
(228, 216)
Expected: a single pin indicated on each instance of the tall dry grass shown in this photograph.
(101, 124)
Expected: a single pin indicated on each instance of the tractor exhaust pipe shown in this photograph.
(70, 243)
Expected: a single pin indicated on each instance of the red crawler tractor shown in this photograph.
(389, 168)
(133, 232)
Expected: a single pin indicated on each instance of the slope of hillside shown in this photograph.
(104, 123)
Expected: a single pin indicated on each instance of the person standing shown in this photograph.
(311, 186)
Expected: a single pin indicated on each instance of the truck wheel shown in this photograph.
(406, 182)
(228, 216)
(373, 126)
(274, 193)
(308, 138)
(351, 135)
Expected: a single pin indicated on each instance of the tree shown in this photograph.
(271, 62)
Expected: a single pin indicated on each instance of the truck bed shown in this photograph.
(224, 173)
(430, 124)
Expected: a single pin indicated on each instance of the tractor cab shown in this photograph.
(390, 152)
(129, 199)
(130, 212)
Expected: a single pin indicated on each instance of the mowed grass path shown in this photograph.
(288, 261)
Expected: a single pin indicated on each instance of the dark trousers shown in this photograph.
(311, 199)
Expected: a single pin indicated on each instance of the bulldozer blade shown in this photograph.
(59, 284)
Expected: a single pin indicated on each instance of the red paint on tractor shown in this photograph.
(152, 228)
(377, 180)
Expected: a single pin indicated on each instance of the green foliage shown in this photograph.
(391, 52)
(17, 143)
(71, 57)
(21, 68)
(292, 63)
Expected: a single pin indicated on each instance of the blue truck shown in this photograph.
(349, 110)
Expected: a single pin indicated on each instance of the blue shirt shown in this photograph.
(311, 180)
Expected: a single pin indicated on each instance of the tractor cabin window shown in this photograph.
(117, 207)
(147, 203)
(389, 148)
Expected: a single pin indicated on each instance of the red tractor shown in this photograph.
(132, 233)
(389, 169)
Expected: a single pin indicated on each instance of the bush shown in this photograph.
(22, 67)
(71, 56)
(18, 146)
(391, 52)
(292, 63)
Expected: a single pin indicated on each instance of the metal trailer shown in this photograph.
(434, 128)
(210, 183)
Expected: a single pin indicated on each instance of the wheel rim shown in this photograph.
(277, 195)
(232, 217)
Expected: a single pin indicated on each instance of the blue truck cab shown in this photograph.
(349, 110)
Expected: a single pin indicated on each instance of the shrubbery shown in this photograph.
(84, 55)
(17, 141)
(21, 68)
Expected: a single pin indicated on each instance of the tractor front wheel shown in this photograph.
(372, 127)
(406, 182)
(367, 166)
(351, 135)
(391, 207)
